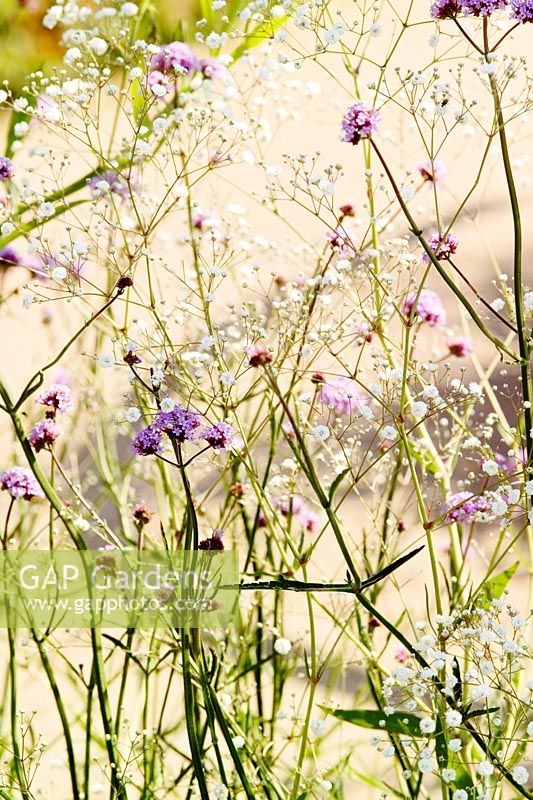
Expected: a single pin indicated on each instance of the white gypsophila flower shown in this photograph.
(59, 273)
(220, 791)
(490, 467)
(449, 775)
(321, 432)
(167, 404)
(425, 765)
(485, 769)
(98, 45)
(453, 718)
(419, 409)
(455, 745)
(282, 646)
(528, 301)
(105, 360)
(132, 414)
(427, 725)
(460, 794)
(389, 432)
(530, 729)
(498, 507)
(129, 9)
(46, 210)
(318, 727)
(227, 379)
(238, 742)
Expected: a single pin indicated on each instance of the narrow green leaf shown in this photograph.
(398, 722)
(391, 568)
(337, 482)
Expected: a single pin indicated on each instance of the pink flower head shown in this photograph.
(296, 507)
(7, 168)
(258, 355)
(58, 397)
(175, 57)
(158, 83)
(20, 483)
(203, 220)
(342, 394)
(428, 307)
(459, 346)
(432, 171)
(43, 434)
(340, 240)
(445, 9)
(442, 245)
(359, 122)
(219, 436)
(212, 68)
(465, 507)
(402, 654)
(213, 542)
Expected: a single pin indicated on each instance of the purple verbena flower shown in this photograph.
(459, 346)
(296, 507)
(58, 397)
(20, 483)
(148, 442)
(445, 9)
(522, 10)
(342, 394)
(359, 122)
(432, 171)
(258, 355)
(212, 68)
(428, 307)
(340, 239)
(43, 434)
(213, 542)
(7, 168)
(203, 220)
(482, 8)
(180, 423)
(465, 507)
(219, 436)
(9, 257)
(443, 246)
(109, 178)
(175, 57)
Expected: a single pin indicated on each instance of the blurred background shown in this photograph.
(26, 46)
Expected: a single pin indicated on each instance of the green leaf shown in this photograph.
(261, 32)
(398, 722)
(375, 783)
(138, 101)
(391, 568)
(495, 587)
(337, 482)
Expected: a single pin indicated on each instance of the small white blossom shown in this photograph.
(105, 361)
(485, 769)
(490, 467)
(321, 432)
(282, 646)
(132, 414)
